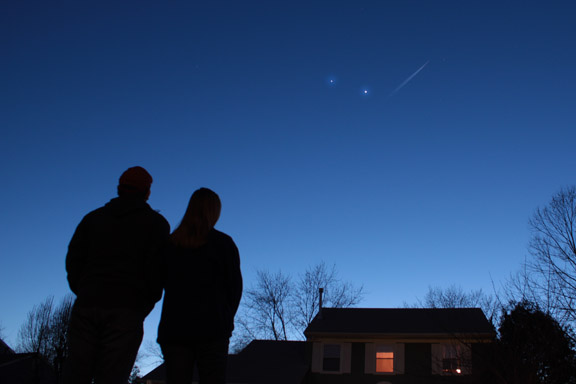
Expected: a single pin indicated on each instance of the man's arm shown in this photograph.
(234, 278)
(155, 264)
(76, 256)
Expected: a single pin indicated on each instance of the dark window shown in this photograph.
(452, 359)
(451, 365)
(331, 358)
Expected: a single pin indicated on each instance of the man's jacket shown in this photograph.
(114, 255)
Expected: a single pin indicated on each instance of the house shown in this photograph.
(261, 362)
(24, 368)
(397, 346)
(370, 346)
(5, 349)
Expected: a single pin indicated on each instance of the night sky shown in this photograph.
(407, 142)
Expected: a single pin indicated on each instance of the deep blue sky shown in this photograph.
(263, 101)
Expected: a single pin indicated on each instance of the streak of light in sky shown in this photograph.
(408, 79)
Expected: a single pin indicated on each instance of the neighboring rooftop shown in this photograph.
(259, 363)
(271, 357)
(400, 321)
(5, 349)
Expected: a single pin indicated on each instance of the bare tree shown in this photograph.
(337, 293)
(523, 286)
(1, 330)
(59, 333)
(455, 297)
(34, 334)
(244, 333)
(135, 375)
(150, 355)
(45, 331)
(278, 308)
(550, 276)
(268, 306)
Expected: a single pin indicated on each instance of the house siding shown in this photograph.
(400, 379)
(417, 369)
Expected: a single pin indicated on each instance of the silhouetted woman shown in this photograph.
(202, 290)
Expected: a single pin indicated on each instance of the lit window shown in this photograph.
(384, 358)
(331, 358)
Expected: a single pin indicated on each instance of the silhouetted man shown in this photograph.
(111, 264)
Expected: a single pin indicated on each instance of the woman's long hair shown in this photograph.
(201, 215)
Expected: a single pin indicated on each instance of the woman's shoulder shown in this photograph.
(222, 239)
(219, 235)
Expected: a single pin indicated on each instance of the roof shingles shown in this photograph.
(396, 321)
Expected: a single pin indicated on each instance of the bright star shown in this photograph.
(331, 80)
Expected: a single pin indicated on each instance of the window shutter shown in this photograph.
(346, 358)
(399, 359)
(370, 359)
(317, 357)
(436, 359)
(466, 359)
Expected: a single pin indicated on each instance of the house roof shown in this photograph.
(5, 349)
(260, 363)
(399, 321)
(25, 368)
